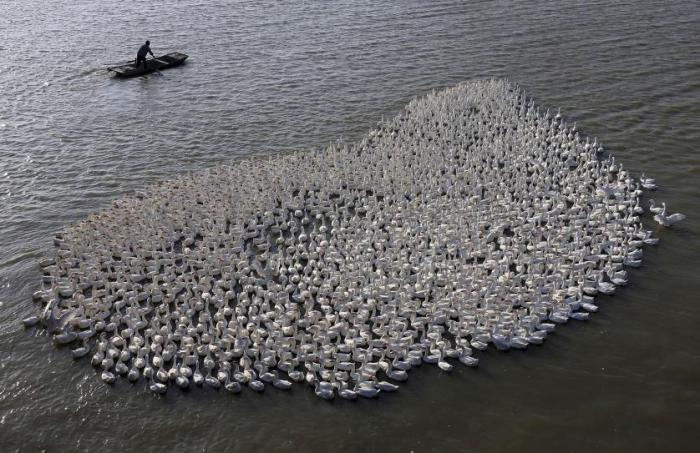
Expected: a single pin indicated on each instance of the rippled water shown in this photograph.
(271, 76)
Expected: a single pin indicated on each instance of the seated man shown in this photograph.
(141, 55)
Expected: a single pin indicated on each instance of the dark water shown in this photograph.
(273, 76)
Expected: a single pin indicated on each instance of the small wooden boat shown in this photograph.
(152, 65)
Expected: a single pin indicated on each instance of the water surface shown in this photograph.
(278, 76)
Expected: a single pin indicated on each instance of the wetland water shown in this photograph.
(265, 77)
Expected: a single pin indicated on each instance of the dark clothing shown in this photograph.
(144, 50)
(141, 55)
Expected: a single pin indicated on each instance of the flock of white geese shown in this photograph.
(470, 219)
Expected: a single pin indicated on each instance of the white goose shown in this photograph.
(401, 248)
(668, 220)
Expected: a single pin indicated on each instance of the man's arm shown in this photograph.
(151, 52)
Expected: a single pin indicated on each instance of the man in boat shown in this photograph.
(143, 51)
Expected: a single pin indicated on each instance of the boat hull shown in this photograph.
(155, 64)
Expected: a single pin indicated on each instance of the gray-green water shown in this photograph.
(275, 76)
